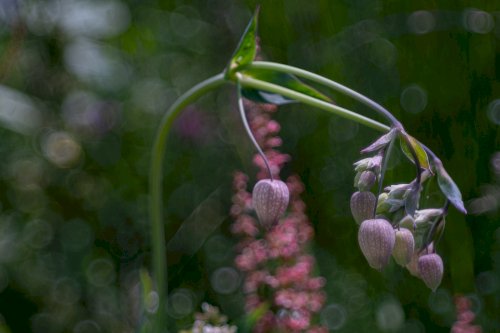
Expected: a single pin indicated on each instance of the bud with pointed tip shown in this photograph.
(366, 180)
(430, 268)
(403, 247)
(362, 206)
(270, 200)
(376, 239)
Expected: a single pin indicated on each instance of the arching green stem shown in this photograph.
(155, 187)
(330, 84)
(250, 82)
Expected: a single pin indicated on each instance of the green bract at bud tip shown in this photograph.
(382, 205)
(407, 222)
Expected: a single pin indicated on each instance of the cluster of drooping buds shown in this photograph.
(392, 225)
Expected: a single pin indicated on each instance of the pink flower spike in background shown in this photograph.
(278, 270)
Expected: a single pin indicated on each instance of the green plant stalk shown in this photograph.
(250, 82)
(156, 204)
(330, 84)
(249, 130)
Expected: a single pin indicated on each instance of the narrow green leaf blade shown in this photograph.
(247, 47)
(282, 79)
(449, 188)
(417, 147)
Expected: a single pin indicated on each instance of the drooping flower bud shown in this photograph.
(362, 206)
(376, 239)
(430, 268)
(403, 247)
(270, 200)
(366, 180)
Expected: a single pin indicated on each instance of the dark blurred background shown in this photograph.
(83, 85)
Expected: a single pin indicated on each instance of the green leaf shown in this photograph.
(417, 147)
(449, 188)
(246, 49)
(282, 79)
(265, 97)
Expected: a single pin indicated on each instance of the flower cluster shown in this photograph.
(465, 317)
(210, 321)
(278, 272)
(392, 225)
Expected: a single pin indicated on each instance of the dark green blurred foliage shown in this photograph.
(83, 86)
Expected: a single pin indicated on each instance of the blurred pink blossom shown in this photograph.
(278, 270)
(465, 317)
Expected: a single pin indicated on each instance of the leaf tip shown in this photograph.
(460, 207)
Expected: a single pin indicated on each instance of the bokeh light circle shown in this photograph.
(225, 280)
(413, 99)
(334, 316)
(478, 21)
(494, 112)
(66, 291)
(441, 302)
(390, 316)
(101, 272)
(421, 22)
(38, 234)
(181, 303)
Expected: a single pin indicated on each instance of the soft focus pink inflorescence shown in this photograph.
(465, 317)
(278, 271)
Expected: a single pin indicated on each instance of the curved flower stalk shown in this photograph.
(272, 83)
(278, 270)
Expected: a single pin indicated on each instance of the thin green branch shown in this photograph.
(250, 82)
(328, 83)
(155, 188)
(249, 130)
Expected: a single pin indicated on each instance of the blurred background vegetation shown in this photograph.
(84, 84)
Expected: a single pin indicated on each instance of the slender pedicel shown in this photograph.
(249, 130)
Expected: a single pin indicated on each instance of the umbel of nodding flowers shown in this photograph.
(392, 225)
(278, 271)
